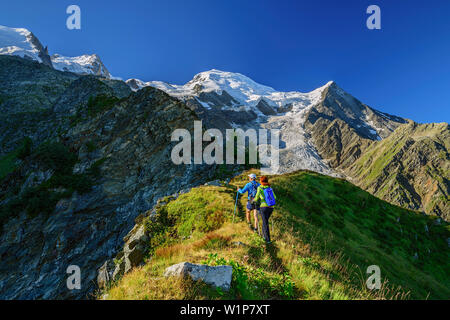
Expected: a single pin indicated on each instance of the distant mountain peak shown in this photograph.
(22, 42)
(84, 64)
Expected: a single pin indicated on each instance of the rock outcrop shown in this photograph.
(219, 276)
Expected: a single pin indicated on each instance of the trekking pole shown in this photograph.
(235, 205)
(257, 220)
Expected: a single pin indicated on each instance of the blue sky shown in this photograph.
(402, 69)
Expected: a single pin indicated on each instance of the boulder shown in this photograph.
(105, 274)
(219, 276)
(215, 183)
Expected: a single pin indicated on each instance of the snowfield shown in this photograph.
(85, 64)
(18, 42)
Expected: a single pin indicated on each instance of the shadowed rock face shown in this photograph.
(133, 141)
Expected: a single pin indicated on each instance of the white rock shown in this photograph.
(219, 276)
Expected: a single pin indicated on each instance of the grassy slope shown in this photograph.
(368, 171)
(326, 232)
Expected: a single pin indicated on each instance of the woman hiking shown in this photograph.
(251, 188)
(267, 198)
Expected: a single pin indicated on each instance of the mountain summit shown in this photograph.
(23, 43)
(85, 64)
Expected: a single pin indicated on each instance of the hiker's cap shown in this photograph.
(252, 176)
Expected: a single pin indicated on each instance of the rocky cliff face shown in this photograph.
(37, 101)
(129, 143)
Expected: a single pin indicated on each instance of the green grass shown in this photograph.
(326, 231)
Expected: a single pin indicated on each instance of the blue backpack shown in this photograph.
(269, 197)
(253, 190)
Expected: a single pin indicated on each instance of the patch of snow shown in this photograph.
(204, 104)
(18, 42)
(243, 89)
(85, 64)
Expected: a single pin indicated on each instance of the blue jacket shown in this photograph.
(248, 188)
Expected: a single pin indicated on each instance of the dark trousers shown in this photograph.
(265, 215)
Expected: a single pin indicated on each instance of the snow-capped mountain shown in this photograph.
(243, 90)
(225, 99)
(85, 64)
(21, 42)
(231, 100)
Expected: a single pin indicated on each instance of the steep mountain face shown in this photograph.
(410, 168)
(21, 42)
(85, 64)
(341, 127)
(37, 101)
(129, 144)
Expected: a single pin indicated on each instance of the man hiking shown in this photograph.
(251, 188)
(267, 198)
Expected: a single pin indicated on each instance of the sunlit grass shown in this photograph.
(326, 233)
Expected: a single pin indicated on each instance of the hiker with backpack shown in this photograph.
(267, 197)
(251, 188)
